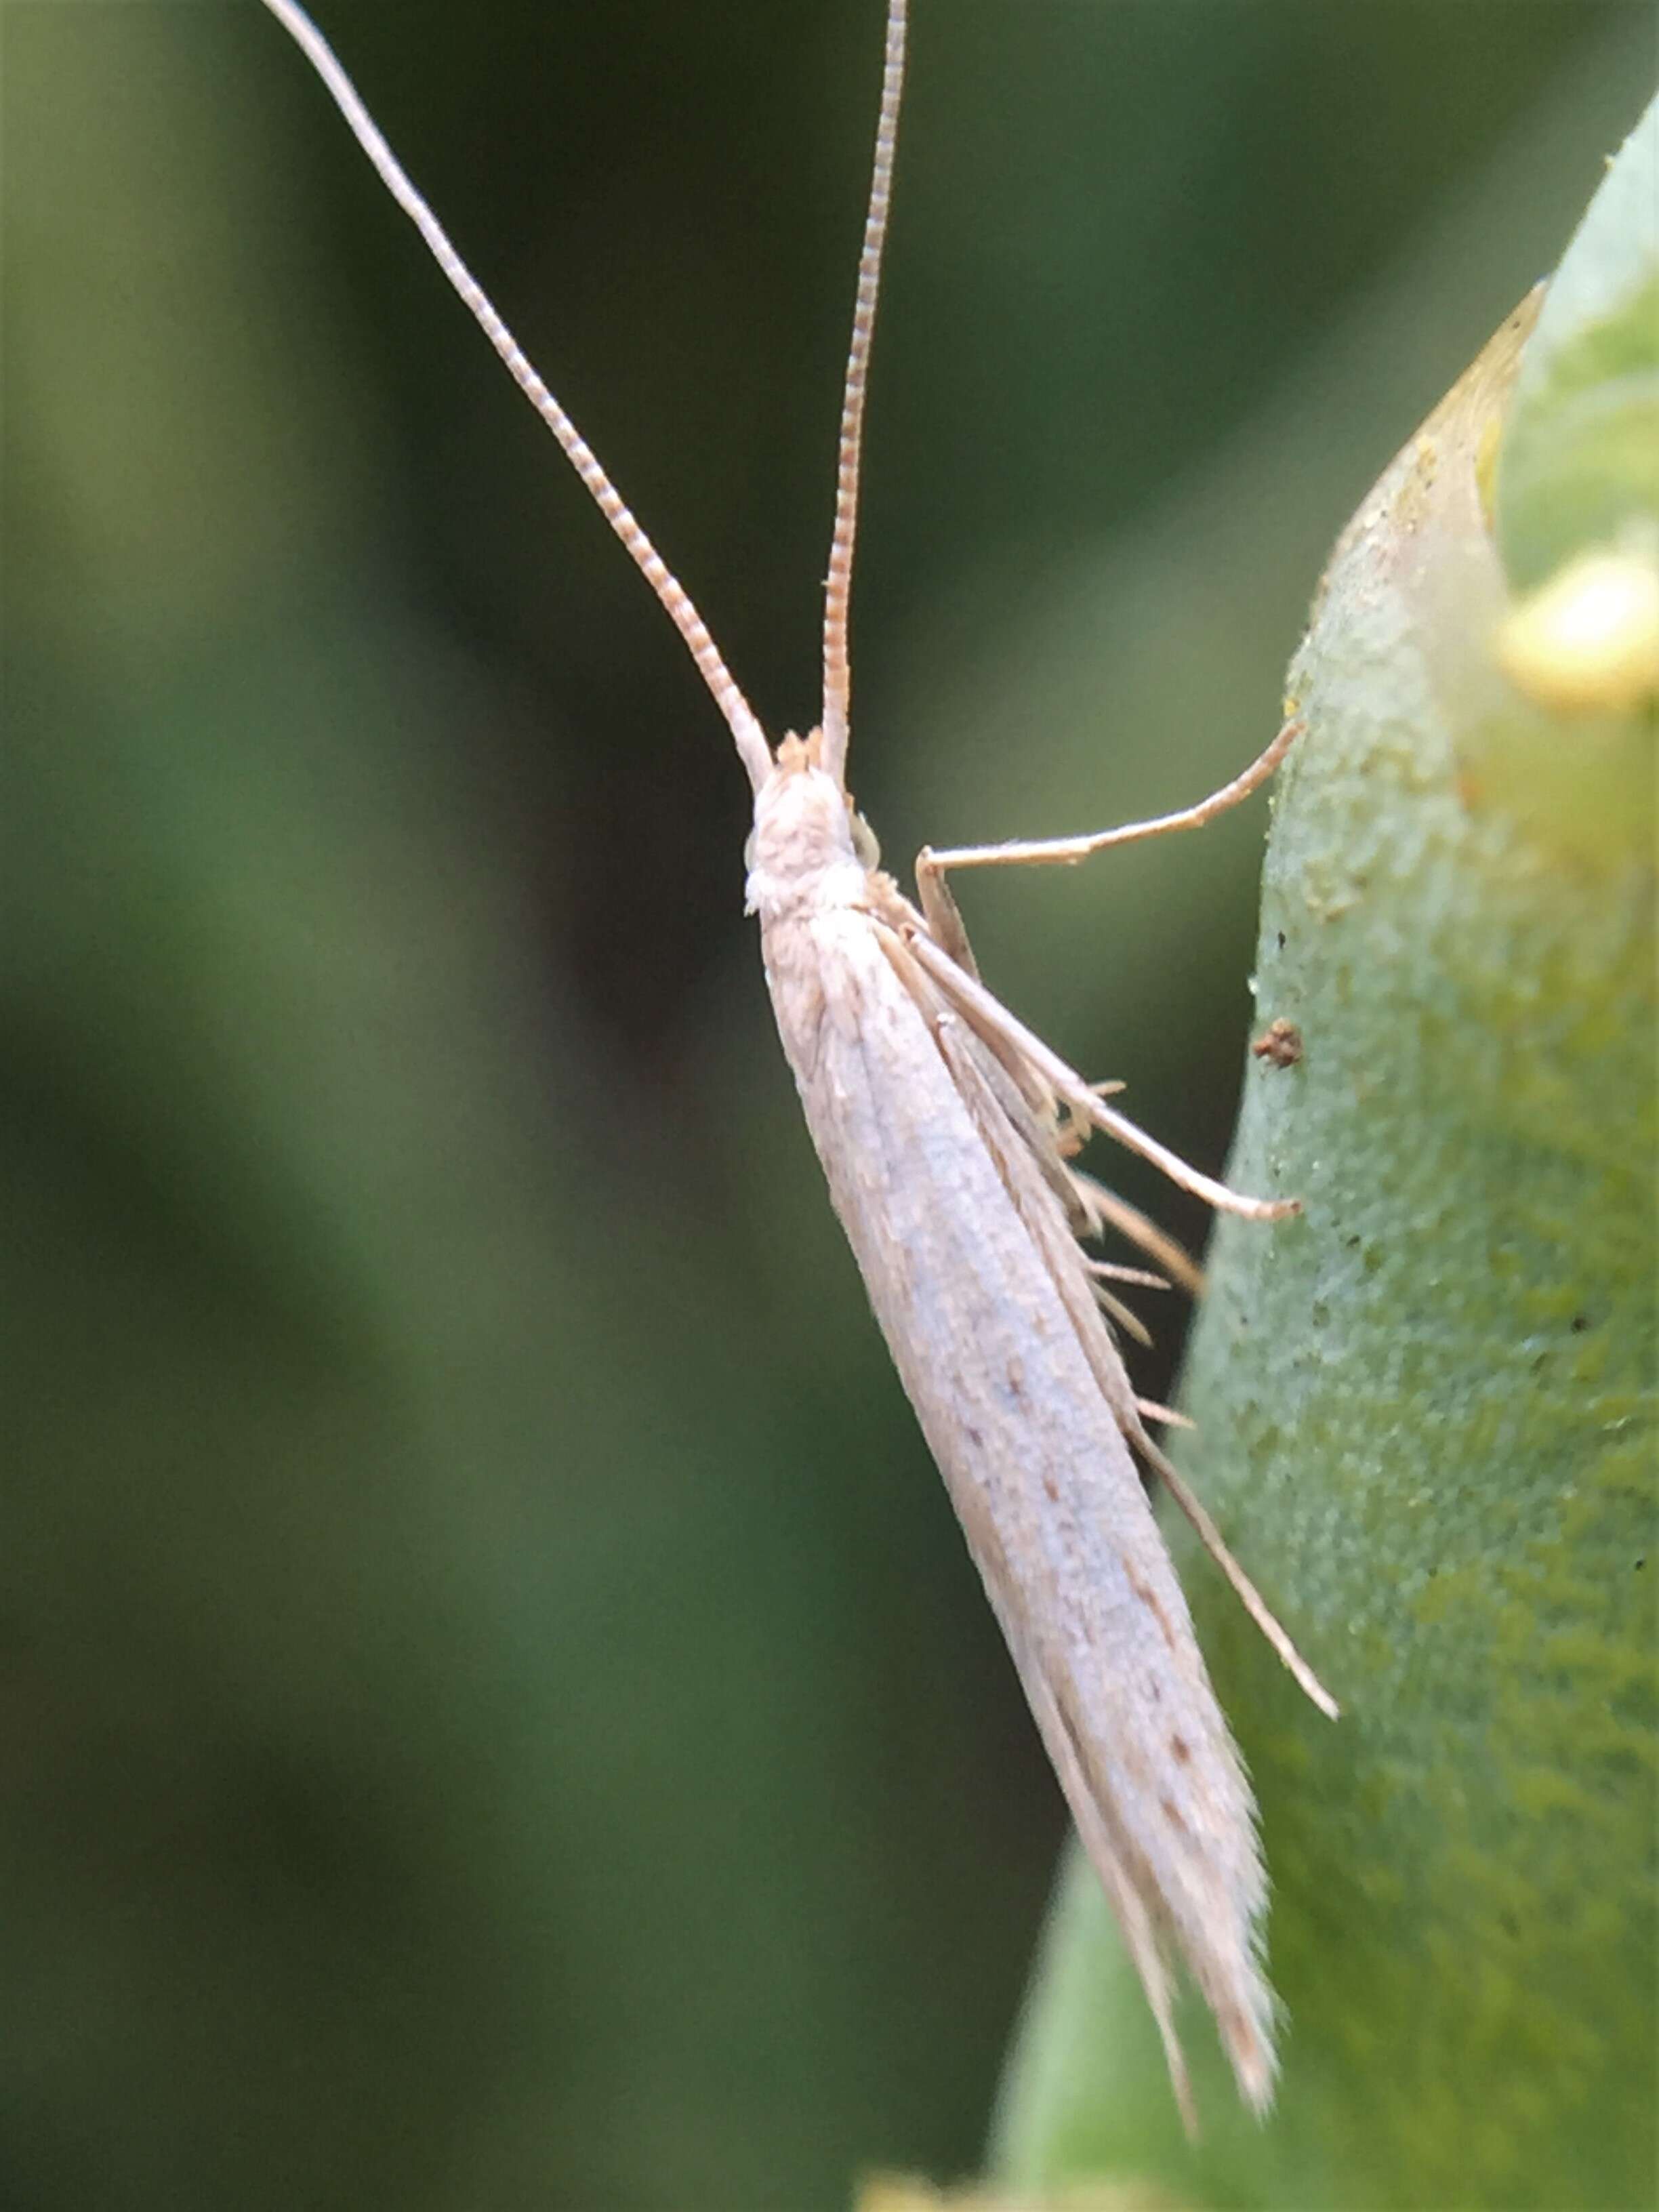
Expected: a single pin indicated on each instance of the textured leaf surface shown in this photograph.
(1581, 449)
(1425, 1411)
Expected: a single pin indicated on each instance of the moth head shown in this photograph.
(808, 849)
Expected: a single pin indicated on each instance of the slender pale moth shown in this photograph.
(947, 1131)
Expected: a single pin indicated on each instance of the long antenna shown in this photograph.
(837, 587)
(746, 733)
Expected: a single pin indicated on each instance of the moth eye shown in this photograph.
(864, 842)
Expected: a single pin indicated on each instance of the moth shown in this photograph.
(947, 1132)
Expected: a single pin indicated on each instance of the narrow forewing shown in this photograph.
(959, 1259)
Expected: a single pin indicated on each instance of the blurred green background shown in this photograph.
(494, 1709)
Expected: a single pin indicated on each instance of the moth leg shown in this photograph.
(940, 922)
(1252, 1599)
(1104, 1209)
(941, 912)
(992, 1019)
(1124, 1316)
(1066, 852)
(1027, 1106)
(1108, 1271)
(1150, 1410)
(984, 1087)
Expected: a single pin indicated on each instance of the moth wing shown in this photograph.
(976, 1280)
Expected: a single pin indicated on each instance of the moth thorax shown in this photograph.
(801, 852)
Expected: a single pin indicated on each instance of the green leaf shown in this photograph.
(1426, 1406)
(1581, 448)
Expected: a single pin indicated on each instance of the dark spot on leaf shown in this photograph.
(1579, 1323)
(1281, 939)
(1279, 1044)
